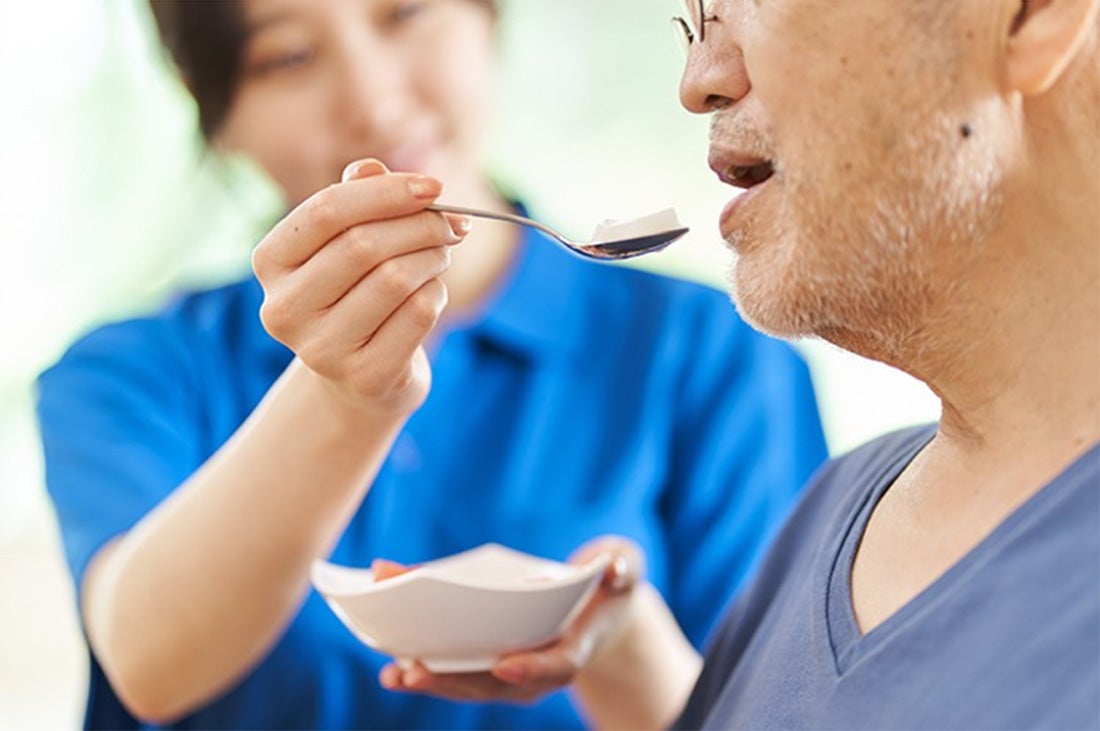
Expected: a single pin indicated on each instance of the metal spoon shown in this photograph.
(611, 240)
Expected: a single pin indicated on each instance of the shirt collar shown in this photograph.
(539, 307)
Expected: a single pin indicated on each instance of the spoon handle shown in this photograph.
(509, 217)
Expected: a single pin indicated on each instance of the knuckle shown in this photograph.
(422, 315)
(261, 258)
(359, 246)
(393, 279)
(320, 209)
(276, 317)
(437, 291)
(427, 304)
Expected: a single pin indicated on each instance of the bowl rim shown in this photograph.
(363, 578)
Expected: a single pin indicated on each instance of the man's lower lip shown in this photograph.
(727, 219)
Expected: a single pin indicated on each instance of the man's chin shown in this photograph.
(775, 311)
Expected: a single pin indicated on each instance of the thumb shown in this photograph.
(365, 168)
(626, 562)
(383, 569)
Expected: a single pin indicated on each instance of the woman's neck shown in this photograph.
(480, 262)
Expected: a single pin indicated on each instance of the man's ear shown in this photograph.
(1043, 40)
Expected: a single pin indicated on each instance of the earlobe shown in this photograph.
(1044, 38)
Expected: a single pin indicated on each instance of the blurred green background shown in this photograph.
(107, 205)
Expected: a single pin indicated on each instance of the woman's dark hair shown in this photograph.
(206, 41)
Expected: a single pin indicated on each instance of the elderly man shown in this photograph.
(921, 186)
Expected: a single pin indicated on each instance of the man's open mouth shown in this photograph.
(748, 176)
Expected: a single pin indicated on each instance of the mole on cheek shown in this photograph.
(966, 131)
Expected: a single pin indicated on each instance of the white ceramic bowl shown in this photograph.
(460, 613)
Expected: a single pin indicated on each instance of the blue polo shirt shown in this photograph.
(585, 400)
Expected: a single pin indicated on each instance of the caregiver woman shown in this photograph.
(390, 383)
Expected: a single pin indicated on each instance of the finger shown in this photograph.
(330, 211)
(459, 224)
(418, 677)
(391, 347)
(336, 267)
(464, 686)
(326, 339)
(626, 562)
(382, 569)
(460, 686)
(622, 573)
(389, 291)
(364, 168)
(545, 669)
(390, 678)
(369, 167)
(392, 358)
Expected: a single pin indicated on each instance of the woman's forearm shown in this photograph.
(641, 678)
(192, 597)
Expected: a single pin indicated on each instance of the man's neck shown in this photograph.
(1017, 363)
(1020, 386)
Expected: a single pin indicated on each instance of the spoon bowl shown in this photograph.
(612, 240)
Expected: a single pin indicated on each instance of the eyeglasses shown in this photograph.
(692, 25)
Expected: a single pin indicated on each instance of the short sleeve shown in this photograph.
(747, 439)
(118, 423)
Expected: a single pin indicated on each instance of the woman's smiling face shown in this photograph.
(326, 82)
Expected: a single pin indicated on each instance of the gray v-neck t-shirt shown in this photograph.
(1007, 638)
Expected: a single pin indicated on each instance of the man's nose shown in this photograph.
(714, 75)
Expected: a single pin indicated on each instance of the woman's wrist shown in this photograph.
(351, 413)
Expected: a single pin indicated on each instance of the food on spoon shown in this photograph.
(611, 231)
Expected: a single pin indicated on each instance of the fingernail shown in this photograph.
(619, 568)
(460, 225)
(362, 168)
(425, 187)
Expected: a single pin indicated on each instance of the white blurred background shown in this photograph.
(107, 205)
